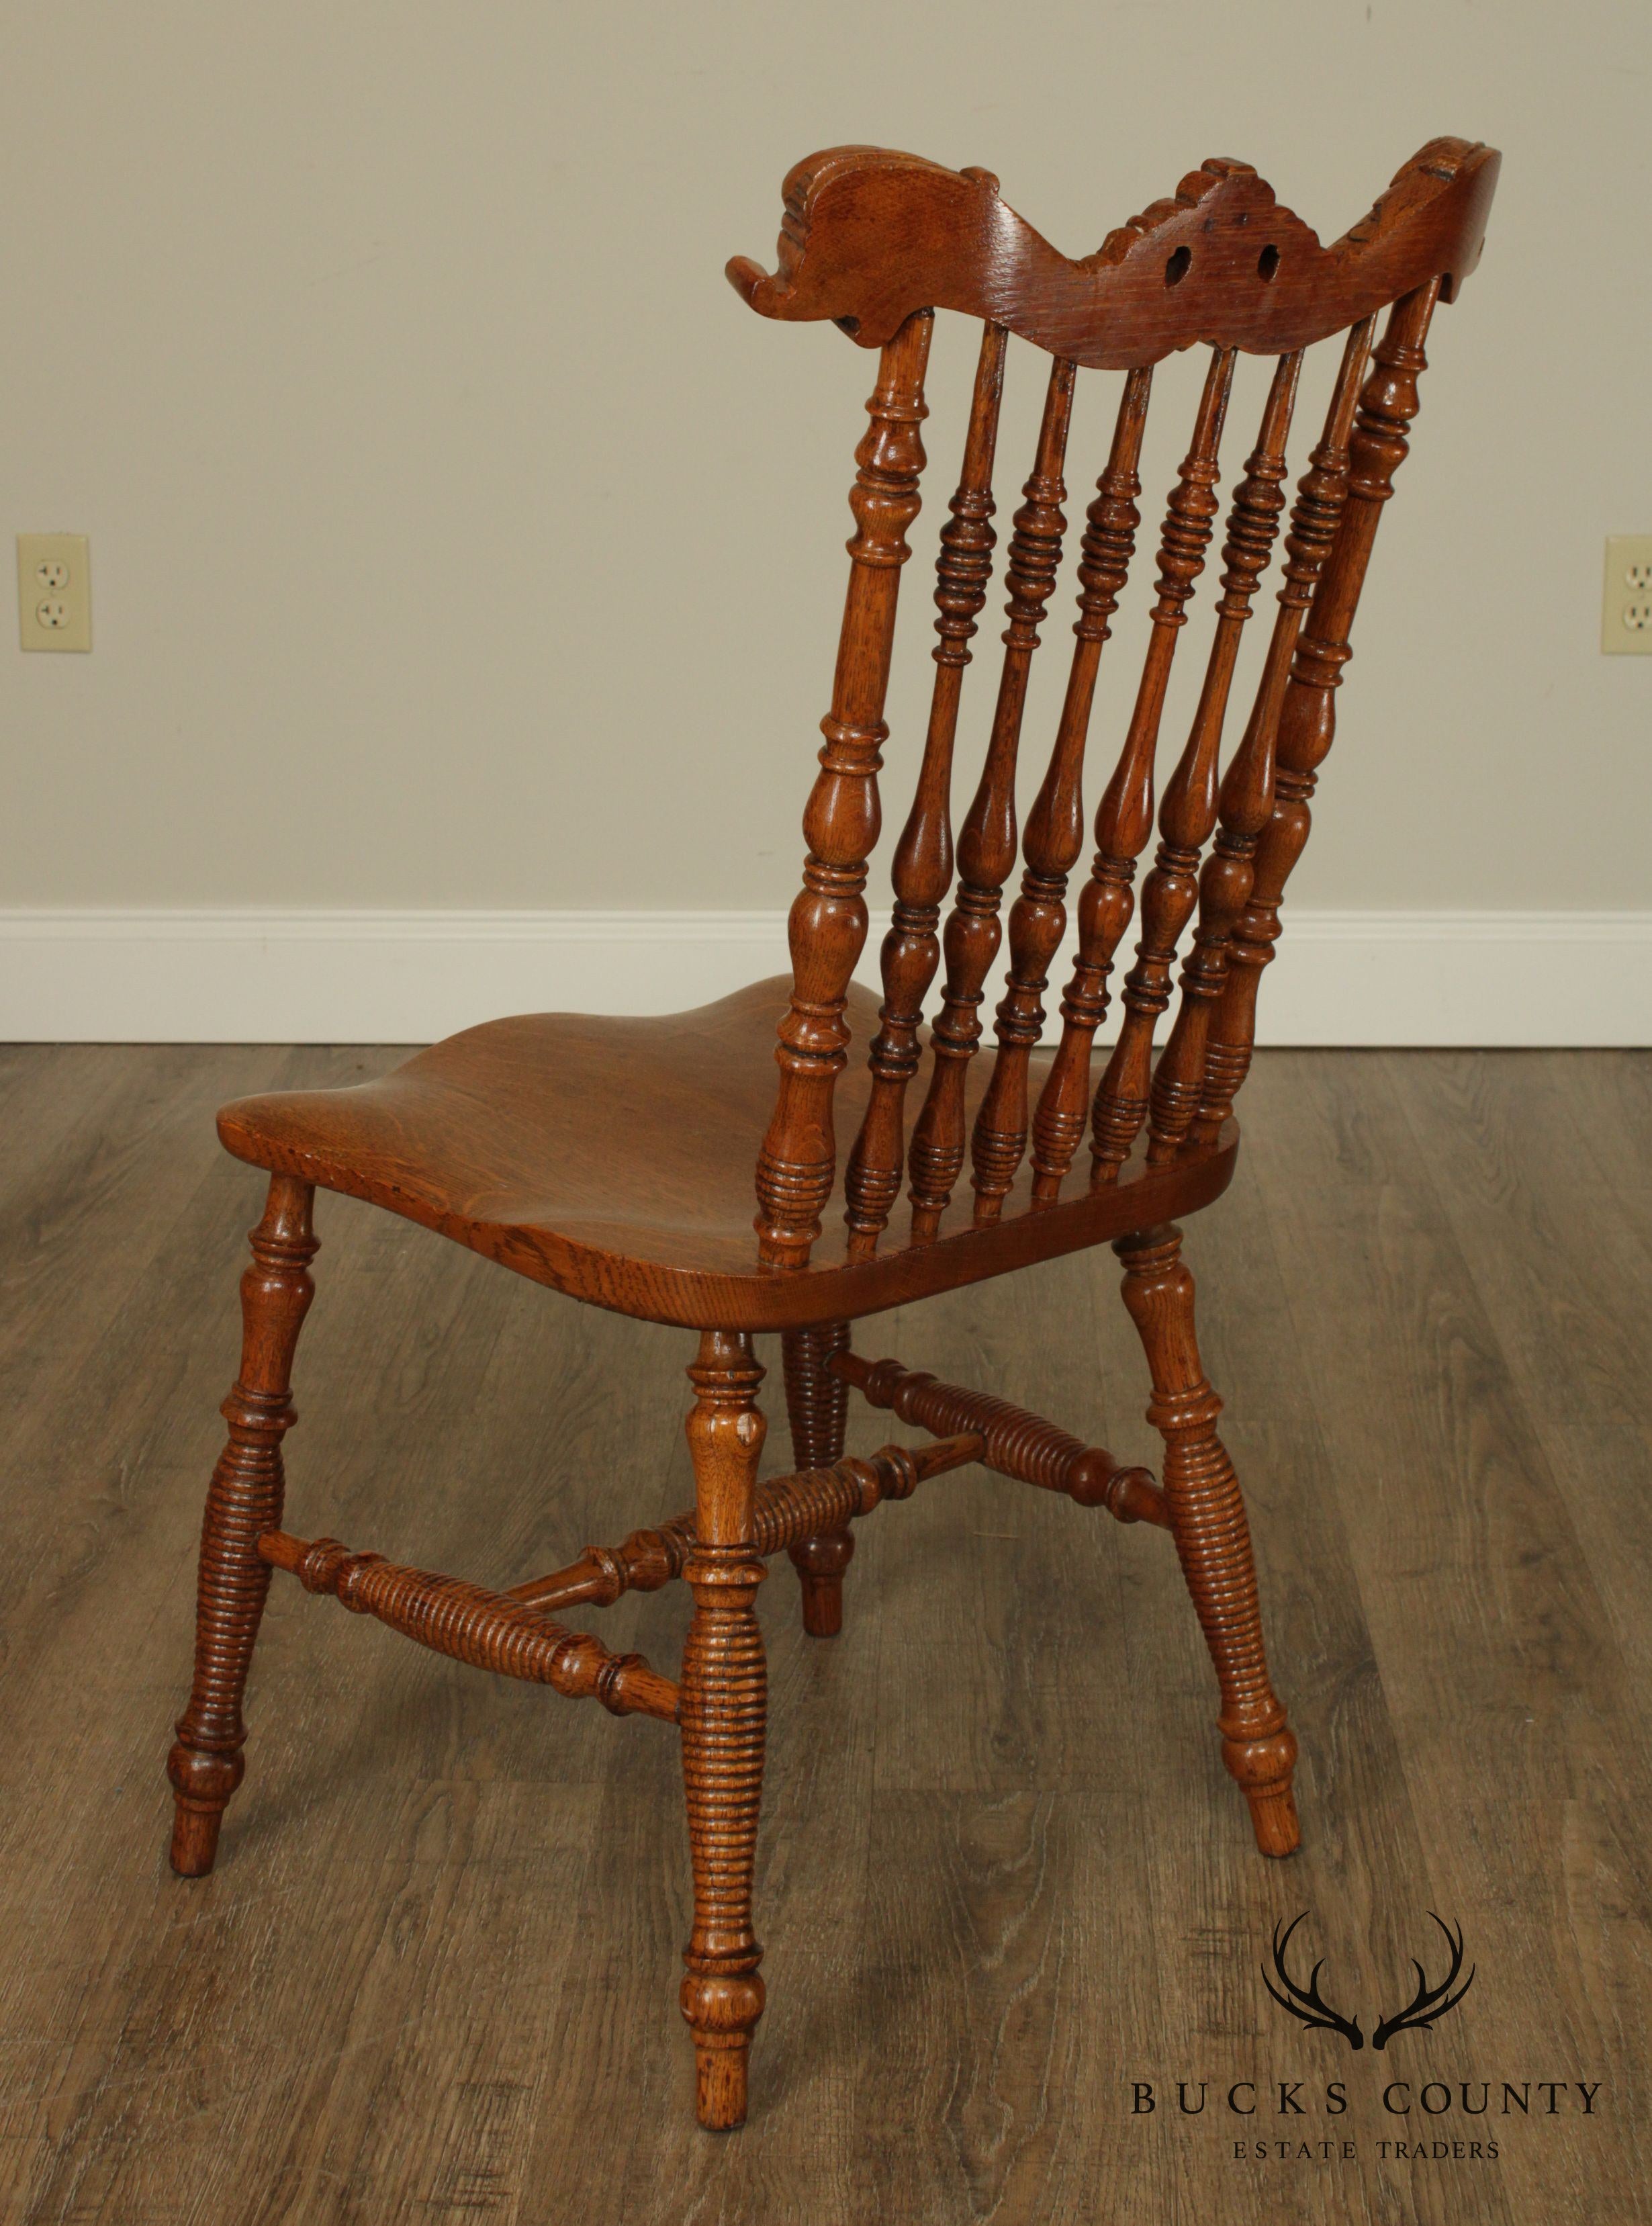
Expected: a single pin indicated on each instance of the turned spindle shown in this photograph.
(922, 869)
(1122, 1100)
(488, 1630)
(788, 1510)
(827, 924)
(1055, 827)
(1123, 819)
(987, 841)
(1202, 1065)
(1307, 721)
(1013, 1442)
(243, 1501)
(1253, 523)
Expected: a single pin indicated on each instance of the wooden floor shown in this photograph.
(1003, 1876)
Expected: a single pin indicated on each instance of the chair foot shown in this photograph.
(1273, 1820)
(244, 1500)
(820, 1563)
(201, 1785)
(818, 1401)
(1264, 1769)
(1212, 1535)
(722, 2014)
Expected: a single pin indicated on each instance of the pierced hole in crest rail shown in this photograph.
(1176, 269)
(1268, 263)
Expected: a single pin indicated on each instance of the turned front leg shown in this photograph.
(243, 1502)
(818, 1401)
(1212, 1536)
(723, 1714)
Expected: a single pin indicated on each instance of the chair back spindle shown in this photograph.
(1377, 447)
(1122, 1101)
(922, 869)
(827, 924)
(1252, 525)
(1123, 820)
(987, 841)
(1193, 1066)
(1055, 827)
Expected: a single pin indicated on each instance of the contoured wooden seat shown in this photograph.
(616, 1160)
(548, 1143)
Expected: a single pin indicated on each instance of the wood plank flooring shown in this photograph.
(1005, 1884)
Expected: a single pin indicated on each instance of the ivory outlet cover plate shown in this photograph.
(53, 591)
(1626, 610)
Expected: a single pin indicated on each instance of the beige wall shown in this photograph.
(459, 540)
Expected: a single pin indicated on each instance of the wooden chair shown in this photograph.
(611, 1159)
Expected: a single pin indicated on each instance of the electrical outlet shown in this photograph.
(54, 591)
(1626, 611)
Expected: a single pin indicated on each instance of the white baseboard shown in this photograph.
(1471, 978)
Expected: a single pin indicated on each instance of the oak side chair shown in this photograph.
(611, 1159)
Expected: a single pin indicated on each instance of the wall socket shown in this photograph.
(1626, 609)
(54, 591)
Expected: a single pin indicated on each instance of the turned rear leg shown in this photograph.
(1212, 1536)
(724, 1716)
(817, 1409)
(244, 1500)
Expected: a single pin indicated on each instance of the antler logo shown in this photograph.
(1429, 2002)
(1305, 2003)
(1310, 2008)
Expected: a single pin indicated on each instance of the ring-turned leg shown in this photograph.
(818, 1401)
(244, 1500)
(1212, 1536)
(724, 1711)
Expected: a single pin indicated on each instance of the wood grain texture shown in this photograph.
(786, 1511)
(1499, 1533)
(489, 1631)
(1013, 1442)
(1212, 1536)
(871, 235)
(975, 1939)
(533, 1140)
(724, 1713)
